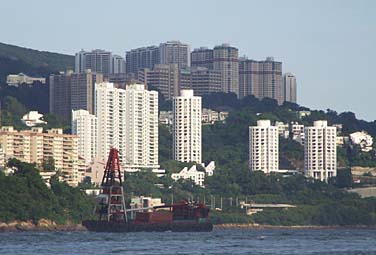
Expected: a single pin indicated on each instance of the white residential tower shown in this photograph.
(263, 147)
(187, 127)
(141, 129)
(320, 151)
(84, 125)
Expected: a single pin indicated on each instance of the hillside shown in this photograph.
(14, 59)
(25, 196)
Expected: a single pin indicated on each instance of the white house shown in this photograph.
(197, 176)
(362, 139)
(33, 118)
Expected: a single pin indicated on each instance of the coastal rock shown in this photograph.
(45, 224)
(25, 226)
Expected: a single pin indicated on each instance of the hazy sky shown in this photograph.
(329, 45)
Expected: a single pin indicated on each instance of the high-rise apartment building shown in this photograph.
(170, 79)
(187, 127)
(263, 147)
(320, 151)
(171, 52)
(205, 81)
(34, 146)
(225, 60)
(289, 86)
(175, 52)
(164, 78)
(145, 57)
(84, 125)
(60, 94)
(141, 128)
(118, 65)
(127, 119)
(110, 106)
(185, 78)
(72, 91)
(202, 57)
(98, 61)
(82, 90)
(261, 79)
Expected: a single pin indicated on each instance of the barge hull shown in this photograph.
(105, 226)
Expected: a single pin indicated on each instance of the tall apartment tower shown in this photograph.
(225, 60)
(145, 57)
(84, 125)
(261, 79)
(141, 129)
(72, 91)
(205, 81)
(165, 78)
(60, 94)
(99, 61)
(82, 90)
(175, 52)
(202, 57)
(320, 151)
(187, 127)
(110, 105)
(289, 86)
(263, 147)
(118, 65)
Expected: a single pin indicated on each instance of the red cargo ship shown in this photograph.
(178, 217)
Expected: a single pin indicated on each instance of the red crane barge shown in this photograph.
(112, 213)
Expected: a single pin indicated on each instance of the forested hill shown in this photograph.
(14, 59)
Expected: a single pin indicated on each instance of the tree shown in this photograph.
(344, 178)
(49, 164)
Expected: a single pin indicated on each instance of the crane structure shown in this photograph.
(111, 198)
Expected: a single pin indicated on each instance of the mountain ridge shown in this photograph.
(15, 59)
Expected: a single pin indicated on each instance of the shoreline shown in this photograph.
(41, 225)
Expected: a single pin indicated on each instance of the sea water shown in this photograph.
(220, 241)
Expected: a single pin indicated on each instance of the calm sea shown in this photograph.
(228, 241)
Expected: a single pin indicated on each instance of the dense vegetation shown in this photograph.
(14, 59)
(32, 97)
(25, 196)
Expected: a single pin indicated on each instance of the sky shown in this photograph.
(328, 45)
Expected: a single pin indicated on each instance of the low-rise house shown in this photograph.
(210, 116)
(363, 139)
(165, 117)
(339, 128)
(33, 118)
(21, 78)
(297, 132)
(223, 116)
(283, 129)
(194, 174)
(302, 114)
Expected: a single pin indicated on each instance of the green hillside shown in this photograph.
(14, 59)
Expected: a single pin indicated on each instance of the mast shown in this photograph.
(112, 202)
